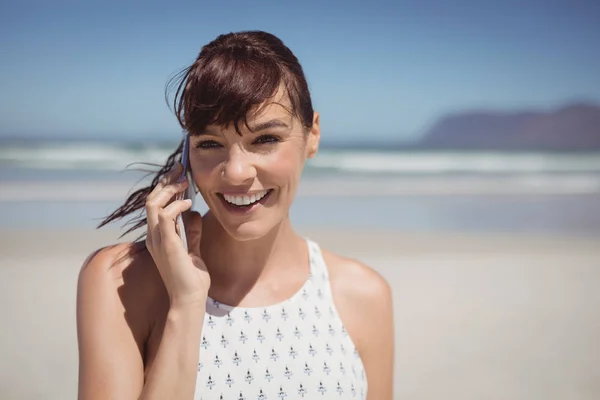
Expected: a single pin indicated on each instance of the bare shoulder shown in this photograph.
(124, 274)
(364, 302)
(356, 285)
(108, 263)
(119, 294)
(119, 262)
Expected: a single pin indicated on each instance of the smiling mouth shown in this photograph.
(245, 201)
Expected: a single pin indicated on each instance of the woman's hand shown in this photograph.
(183, 272)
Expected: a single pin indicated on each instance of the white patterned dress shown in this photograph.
(296, 349)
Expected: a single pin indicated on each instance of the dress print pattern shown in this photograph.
(297, 349)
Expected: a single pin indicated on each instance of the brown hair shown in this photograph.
(232, 76)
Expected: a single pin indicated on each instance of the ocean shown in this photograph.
(67, 184)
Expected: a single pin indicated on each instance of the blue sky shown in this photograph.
(377, 70)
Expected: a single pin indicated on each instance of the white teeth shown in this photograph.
(245, 200)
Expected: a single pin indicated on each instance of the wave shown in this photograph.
(458, 162)
(103, 157)
(115, 157)
(369, 188)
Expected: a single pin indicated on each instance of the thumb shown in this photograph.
(192, 221)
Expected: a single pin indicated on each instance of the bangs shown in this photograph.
(227, 87)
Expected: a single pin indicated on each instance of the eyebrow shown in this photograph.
(274, 123)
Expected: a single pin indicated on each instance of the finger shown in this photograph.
(168, 215)
(169, 178)
(192, 221)
(155, 204)
(166, 195)
(158, 198)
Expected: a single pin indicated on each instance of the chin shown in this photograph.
(249, 230)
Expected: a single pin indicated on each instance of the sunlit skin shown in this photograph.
(253, 259)
(271, 157)
(244, 252)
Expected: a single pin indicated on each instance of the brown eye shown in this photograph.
(207, 144)
(266, 139)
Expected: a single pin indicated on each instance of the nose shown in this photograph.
(239, 168)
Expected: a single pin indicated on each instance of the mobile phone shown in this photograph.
(185, 160)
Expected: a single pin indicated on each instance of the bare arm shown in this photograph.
(111, 363)
(377, 344)
(366, 310)
(173, 373)
(112, 337)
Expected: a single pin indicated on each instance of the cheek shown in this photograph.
(284, 167)
(204, 170)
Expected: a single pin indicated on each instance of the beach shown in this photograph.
(493, 261)
(477, 316)
(454, 149)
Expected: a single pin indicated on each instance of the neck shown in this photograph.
(235, 267)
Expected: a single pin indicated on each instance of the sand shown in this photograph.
(477, 317)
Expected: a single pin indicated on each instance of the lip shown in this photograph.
(242, 193)
(243, 209)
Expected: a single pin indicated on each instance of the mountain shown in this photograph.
(573, 127)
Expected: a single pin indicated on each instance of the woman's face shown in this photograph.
(249, 181)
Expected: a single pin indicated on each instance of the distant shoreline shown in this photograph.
(351, 145)
(573, 127)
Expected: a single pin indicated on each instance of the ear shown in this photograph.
(314, 136)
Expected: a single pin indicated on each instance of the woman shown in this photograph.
(252, 310)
